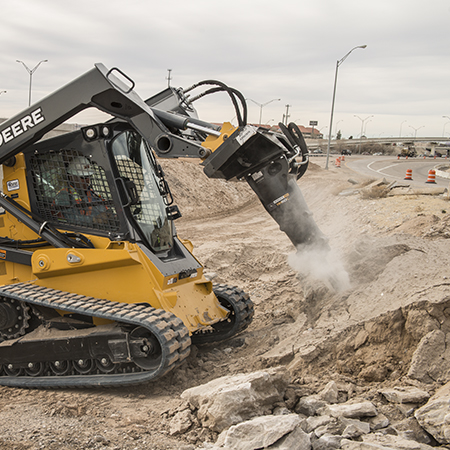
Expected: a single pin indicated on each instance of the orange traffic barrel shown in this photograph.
(338, 162)
(342, 158)
(408, 174)
(431, 176)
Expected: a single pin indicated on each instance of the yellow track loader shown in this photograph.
(96, 287)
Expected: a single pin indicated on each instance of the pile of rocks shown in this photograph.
(263, 410)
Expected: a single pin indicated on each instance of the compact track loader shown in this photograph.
(96, 288)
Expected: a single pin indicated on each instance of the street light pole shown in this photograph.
(320, 129)
(30, 72)
(362, 129)
(261, 106)
(400, 134)
(443, 131)
(415, 130)
(338, 63)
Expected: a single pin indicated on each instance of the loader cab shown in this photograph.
(102, 180)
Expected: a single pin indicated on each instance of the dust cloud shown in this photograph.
(321, 264)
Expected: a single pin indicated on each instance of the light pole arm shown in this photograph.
(347, 55)
(256, 103)
(24, 65)
(37, 65)
(261, 105)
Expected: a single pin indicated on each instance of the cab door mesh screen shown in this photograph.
(78, 197)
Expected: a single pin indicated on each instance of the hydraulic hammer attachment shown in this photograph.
(269, 163)
(280, 195)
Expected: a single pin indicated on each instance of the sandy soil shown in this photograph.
(395, 252)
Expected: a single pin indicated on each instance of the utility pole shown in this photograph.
(168, 77)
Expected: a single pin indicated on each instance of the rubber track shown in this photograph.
(170, 331)
(243, 309)
(246, 307)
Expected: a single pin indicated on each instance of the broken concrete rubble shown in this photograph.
(181, 422)
(409, 394)
(434, 417)
(228, 401)
(384, 442)
(432, 357)
(417, 191)
(330, 393)
(260, 432)
(309, 405)
(355, 424)
(352, 410)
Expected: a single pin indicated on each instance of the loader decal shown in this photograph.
(279, 201)
(22, 125)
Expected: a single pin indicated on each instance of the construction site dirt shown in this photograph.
(390, 254)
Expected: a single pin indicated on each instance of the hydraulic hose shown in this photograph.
(296, 139)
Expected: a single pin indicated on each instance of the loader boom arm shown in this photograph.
(110, 91)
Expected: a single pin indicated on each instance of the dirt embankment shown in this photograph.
(395, 252)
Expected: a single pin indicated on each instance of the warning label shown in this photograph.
(12, 185)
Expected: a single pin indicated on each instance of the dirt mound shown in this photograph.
(427, 226)
(198, 196)
(419, 226)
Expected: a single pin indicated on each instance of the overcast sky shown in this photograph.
(265, 49)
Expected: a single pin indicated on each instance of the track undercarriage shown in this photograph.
(138, 343)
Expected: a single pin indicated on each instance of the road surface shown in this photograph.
(394, 169)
